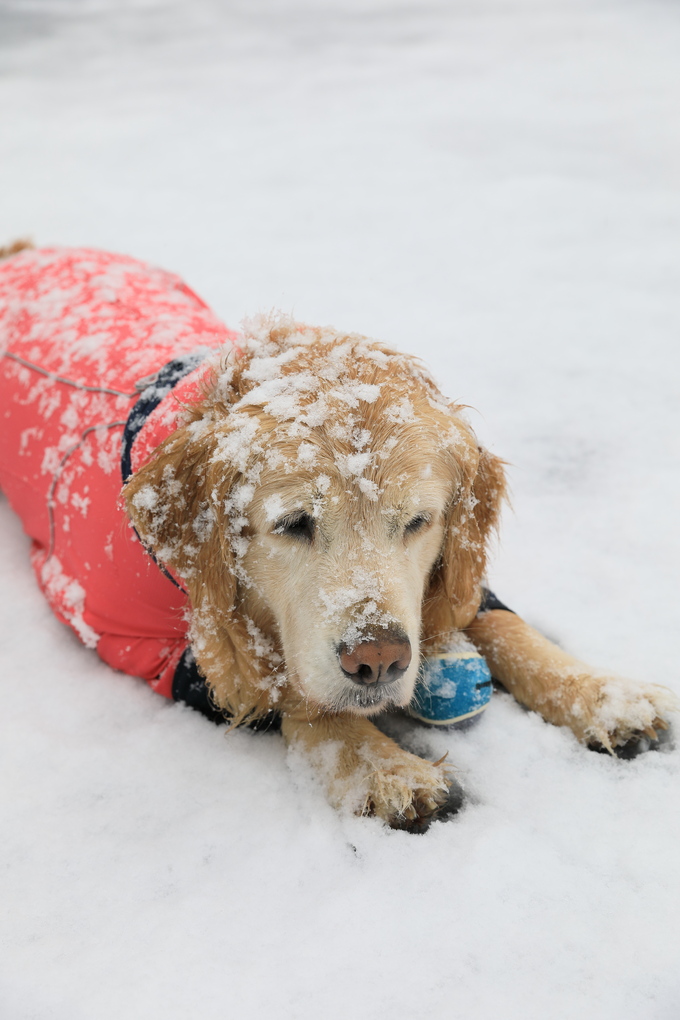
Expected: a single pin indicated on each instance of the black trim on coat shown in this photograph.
(162, 383)
(489, 602)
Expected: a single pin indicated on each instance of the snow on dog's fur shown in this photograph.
(326, 497)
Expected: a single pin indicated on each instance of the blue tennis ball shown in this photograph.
(452, 687)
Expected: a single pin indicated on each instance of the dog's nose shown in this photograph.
(378, 661)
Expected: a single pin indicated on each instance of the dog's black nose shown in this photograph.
(381, 660)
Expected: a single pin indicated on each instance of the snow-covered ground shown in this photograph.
(495, 186)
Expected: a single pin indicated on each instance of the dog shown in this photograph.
(318, 514)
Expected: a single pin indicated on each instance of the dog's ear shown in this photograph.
(454, 593)
(178, 504)
(167, 501)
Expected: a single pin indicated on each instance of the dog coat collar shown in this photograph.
(156, 389)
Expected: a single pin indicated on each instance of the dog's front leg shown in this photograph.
(599, 708)
(363, 770)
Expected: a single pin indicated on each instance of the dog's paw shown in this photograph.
(404, 790)
(612, 711)
(366, 773)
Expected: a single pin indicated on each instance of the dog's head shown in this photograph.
(328, 511)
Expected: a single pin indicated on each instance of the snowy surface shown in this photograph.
(494, 186)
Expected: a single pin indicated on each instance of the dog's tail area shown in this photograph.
(14, 247)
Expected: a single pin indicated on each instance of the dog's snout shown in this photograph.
(378, 661)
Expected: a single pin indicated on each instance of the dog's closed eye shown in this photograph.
(416, 524)
(299, 525)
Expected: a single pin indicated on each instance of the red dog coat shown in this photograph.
(97, 351)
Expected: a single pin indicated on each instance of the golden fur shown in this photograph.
(14, 247)
(325, 490)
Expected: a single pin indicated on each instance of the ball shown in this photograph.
(452, 687)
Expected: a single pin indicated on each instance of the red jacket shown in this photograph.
(97, 351)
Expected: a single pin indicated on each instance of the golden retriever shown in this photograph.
(329, 513)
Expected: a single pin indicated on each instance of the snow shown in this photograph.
(493, 187)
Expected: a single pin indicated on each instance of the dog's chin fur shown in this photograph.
(368, 701)
(359, 699)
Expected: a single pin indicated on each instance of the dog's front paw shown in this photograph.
(367, 773)
(612, 711)
(404, 790)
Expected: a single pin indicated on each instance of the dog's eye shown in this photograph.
(296, 526)
(416, 523)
